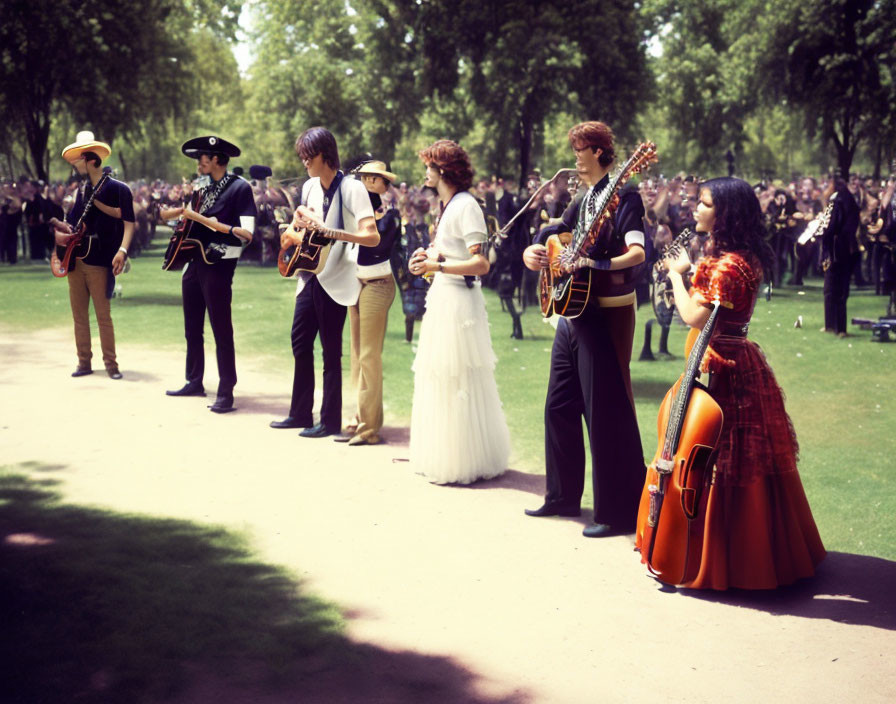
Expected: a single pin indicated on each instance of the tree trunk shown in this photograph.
(844, 159)
(525, 146)
(37, 133)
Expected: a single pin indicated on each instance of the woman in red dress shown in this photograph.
(759, 530)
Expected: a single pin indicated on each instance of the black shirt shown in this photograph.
(628, 216)
(107, 230)
(235, 202)
(389, 227)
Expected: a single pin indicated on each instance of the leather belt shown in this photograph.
(729, 329)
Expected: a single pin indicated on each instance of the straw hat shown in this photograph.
(85, 142)
(377, 168)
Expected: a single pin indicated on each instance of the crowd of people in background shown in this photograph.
(26, 206)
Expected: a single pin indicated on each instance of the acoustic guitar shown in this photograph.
(566, 293)
(310, 254)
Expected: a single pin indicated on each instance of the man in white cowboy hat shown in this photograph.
(321, 299)
(225, 219)
(110, 226)
(370, 314)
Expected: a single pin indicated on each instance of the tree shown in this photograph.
(522, 61)
(838, 59)
(88, 60)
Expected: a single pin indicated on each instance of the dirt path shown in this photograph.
(534, 611)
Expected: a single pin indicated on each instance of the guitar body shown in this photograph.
(191, 238)
(180, 248)
(673, 547)
(559, 292)
(78, 247)
(309, 255)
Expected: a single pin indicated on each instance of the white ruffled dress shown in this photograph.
(458, 430)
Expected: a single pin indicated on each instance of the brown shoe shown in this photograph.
(365, 440)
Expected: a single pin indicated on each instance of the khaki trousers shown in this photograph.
(86, 282)
(367, 321)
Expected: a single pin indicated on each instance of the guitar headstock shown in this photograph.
(643, 157)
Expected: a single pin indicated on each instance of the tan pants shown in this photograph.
(367, 321)
(88, 282)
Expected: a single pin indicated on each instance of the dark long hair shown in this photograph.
(738, 224)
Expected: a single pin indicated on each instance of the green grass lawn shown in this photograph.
(839, 392)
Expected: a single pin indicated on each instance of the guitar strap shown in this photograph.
(212, 193)
(588, 212)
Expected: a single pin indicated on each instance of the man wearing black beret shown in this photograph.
(225, 220)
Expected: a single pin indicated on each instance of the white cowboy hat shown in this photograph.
(85, 142)
(377, 168)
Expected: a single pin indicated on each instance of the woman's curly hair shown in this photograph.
(452, 161)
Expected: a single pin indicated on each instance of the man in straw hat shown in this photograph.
(110, 224)
(321, 299)
(226, 218)
(369, 315)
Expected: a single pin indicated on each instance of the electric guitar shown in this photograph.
(79, 245)
(196, 234)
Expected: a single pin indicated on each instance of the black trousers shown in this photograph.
(209, 287)
(805, 255)
(587, 380)
(9, 238)
(836, 291)
(37, 241)
(317, 313)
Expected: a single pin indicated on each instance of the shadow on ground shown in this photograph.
(847, 588)
(98, 606)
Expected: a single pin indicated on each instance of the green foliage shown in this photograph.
(124, 69)
(742, 75)
(838, 59)
(787, 86)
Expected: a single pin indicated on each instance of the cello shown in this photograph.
(673, 502)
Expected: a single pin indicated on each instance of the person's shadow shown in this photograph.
(854, 589)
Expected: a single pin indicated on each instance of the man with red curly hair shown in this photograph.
(591, 354)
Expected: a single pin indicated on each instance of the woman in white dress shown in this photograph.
(458, 430)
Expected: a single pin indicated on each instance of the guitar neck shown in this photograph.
(692, 371)
(603, 203)
(89, 204)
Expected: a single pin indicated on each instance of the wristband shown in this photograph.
(603, 264)
(122, 249)
(230, 231)
(440, 268)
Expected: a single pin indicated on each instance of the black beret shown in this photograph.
(259, 172)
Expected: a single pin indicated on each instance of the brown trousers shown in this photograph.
(367, 321)
(85, 283)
